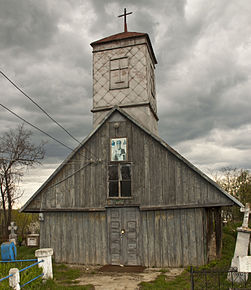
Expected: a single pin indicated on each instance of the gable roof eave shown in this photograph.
(157, 138)
(180, 157)
(66, 160)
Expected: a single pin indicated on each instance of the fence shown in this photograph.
(43, 260)
(219, 279)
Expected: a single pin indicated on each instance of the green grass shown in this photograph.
(64, 276)
(25, 276)
(180, 282)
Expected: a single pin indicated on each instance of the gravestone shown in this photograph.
(242, 242)
(245, 264)
(246, 211)
(12, 236)
(33, 237)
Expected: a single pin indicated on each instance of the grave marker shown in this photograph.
(13, 236)
(245, 264)
(242, 243)
(33, 237)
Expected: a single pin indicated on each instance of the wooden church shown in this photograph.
(124, 196)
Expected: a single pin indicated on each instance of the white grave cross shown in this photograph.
(12, 228)
(246, 211)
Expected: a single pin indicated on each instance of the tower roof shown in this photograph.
(119, 36)
(125, 35)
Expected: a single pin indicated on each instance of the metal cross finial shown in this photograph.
(124, 15)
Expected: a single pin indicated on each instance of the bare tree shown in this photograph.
(236, 182)
(17, 154)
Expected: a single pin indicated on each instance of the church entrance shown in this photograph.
(123, 235)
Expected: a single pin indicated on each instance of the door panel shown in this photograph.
(123, 225)
(114, 229)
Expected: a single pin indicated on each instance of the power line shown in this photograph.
(38, 128)
(70, 175)
(72, 162)
(43, 110)
(36, 104)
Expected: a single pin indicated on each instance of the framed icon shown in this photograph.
(118, 149)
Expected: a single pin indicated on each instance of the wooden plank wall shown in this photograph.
(166, 237)
(173, 238)
(76, 237)
(158, 176)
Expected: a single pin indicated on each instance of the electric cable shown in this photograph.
(42, 131)
(43, 110)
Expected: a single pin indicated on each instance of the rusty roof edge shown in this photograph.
(103, 40)
(118, 36)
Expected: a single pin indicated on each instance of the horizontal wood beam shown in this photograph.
(142, 208)
(84, 209)
(183, 206)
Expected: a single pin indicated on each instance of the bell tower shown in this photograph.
(123, 75)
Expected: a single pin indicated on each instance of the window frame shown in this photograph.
(119, 164)
(116, 85)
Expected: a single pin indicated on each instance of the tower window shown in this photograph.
(119, 180)
(119, 73)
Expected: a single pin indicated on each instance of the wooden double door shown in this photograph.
(123, 235)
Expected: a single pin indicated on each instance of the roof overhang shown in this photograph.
(125, 36)
(158, 139)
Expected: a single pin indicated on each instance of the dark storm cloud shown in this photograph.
(53, 66)
(196, 110)
(27, 24)
(202, 77)
(203, 85)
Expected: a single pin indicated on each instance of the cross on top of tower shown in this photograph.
(124, 15)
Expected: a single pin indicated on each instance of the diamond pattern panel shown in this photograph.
(137, 91)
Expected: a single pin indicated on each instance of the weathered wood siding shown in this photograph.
(170, 194)
(159, 178)
(173, 238)
(76, 237)
(166, 237)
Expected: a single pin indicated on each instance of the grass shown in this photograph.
(25, 276)
(161, 282)
(64, 276)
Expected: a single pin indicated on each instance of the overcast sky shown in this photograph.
(203, 81)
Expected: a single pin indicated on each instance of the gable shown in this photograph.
(160, 176)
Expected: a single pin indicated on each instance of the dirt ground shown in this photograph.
(121, 279)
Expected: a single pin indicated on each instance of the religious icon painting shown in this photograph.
(118, 149)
